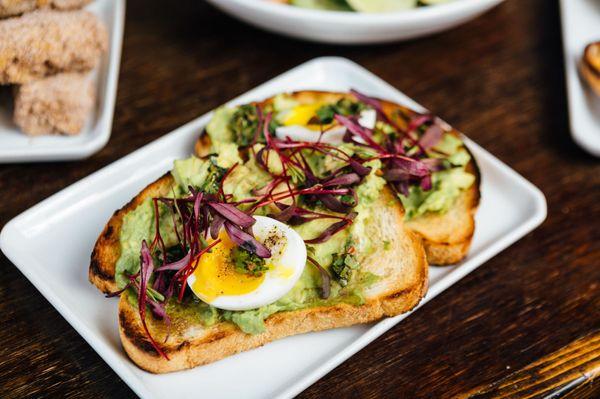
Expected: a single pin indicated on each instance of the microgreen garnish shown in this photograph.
(405, 153)
(325, 278)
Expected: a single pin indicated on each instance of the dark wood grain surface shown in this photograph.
(499, 79)
(570, 370)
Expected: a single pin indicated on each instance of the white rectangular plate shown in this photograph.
(581, 26)
(67, 224)
(15, 146)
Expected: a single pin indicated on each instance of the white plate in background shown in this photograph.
(344, 27)
(581, 26)
(16, 146)
(67, 224)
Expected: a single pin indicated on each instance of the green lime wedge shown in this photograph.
(381, 5)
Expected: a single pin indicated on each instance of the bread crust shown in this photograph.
(226, 339)
(452, 243)
(107, 249)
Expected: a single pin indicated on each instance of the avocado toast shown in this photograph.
(192, 342)
(444, 219)
(361, 261)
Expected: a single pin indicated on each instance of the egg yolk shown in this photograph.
(216, 275)
(301, 115)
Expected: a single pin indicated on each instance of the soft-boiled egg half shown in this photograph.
(216, 282)
(297, 125)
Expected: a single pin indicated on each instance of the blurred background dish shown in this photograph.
(581, 28)
(58, 91)
(370, 6)
(343, 27)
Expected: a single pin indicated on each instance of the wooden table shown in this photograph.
(499, 79)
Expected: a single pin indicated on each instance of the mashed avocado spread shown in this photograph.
(139, 225)
(447, 184)
(232, 127)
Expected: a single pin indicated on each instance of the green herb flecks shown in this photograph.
(343, 266)
(213, 179)
(247, 263)
(244, 124)
(344, 107)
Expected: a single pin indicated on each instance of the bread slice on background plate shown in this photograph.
(447, 237)
(590, 66)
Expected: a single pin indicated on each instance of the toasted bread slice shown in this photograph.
(401, 265)
(107, 249)
(447, 237)
(402, 268)
(590, 66)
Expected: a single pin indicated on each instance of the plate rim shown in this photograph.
(412, 16)
(124, 369)
(104, 120)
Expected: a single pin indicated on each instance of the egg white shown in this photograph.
(368, 118)
(335, 135)
(286, 266)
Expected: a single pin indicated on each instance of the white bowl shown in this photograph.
(351, 27)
